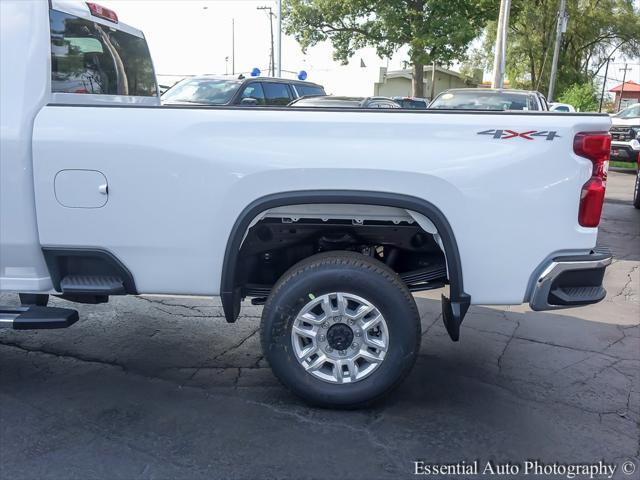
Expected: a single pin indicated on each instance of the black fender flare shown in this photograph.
(230, 294)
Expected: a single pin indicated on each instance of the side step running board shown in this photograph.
(33, 317)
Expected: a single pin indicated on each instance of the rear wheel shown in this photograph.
(340, 329)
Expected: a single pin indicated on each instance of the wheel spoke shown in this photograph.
(337, 371)
(326, 306)
(317, 363)
(342, 304)
(310, 350)
(369, 356)
(371, 322)
(360, 312)
(312, 318)
(353, 369)
(376, 343)
(305, 332)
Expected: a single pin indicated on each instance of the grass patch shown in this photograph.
(614, 163)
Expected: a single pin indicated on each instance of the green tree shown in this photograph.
(595, 29)
(583, 97)
(436, 31)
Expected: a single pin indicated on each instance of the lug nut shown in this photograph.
(329, 350)
(325, 325)
(355, 345)
(343, 352)
(351, 322)
(321, 338)
(358, 333)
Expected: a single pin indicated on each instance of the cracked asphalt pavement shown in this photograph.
(162, 387)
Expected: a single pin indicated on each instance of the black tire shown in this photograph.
(636, 191)
(350, 273)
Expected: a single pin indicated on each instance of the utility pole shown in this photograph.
(279, 38)
(499, 61)
(233, 46)
(561, 28)
(433, 81)
(604, 83)
(271, 58)
(624, 79)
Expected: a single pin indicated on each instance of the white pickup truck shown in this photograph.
(330, 218)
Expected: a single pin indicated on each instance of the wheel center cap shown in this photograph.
(340, 336)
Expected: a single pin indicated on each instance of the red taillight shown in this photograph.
(596, 146)
(591, 200)
(100, 11)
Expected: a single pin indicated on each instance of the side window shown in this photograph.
(87, 57)
(253, 90)
(389, 105)
(304, 90)
(381, 104)
(277, 93)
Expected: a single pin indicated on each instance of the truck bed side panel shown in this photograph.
(178, 179)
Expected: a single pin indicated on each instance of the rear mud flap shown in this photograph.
(452, 315)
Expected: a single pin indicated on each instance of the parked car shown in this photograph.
(414, 103)
(331, 101)
(252, 91)
(561, 107)
(329, 218)
(625, 134)
(489, 99)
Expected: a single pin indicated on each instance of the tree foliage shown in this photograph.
(434, 30)
(583, 96)
(595, 29)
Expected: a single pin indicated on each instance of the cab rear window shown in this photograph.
(91, 58)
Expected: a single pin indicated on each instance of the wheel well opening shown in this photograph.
(345, 211)
(273, 244)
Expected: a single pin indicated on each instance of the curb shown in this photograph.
(623, 170)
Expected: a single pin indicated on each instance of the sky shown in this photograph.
(185, 38)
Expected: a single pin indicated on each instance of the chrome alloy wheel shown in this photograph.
(340, 337)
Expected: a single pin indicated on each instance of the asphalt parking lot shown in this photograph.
(159, 388)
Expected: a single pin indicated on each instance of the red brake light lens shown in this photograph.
(591, 200)
(596, 146)
(101, 12)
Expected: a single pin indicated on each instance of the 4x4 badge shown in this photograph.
(505, 134)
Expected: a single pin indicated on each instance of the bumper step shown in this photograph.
(34, 317)
(92, 285)
(577, 295)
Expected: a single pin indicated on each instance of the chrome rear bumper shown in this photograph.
(571, 281)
